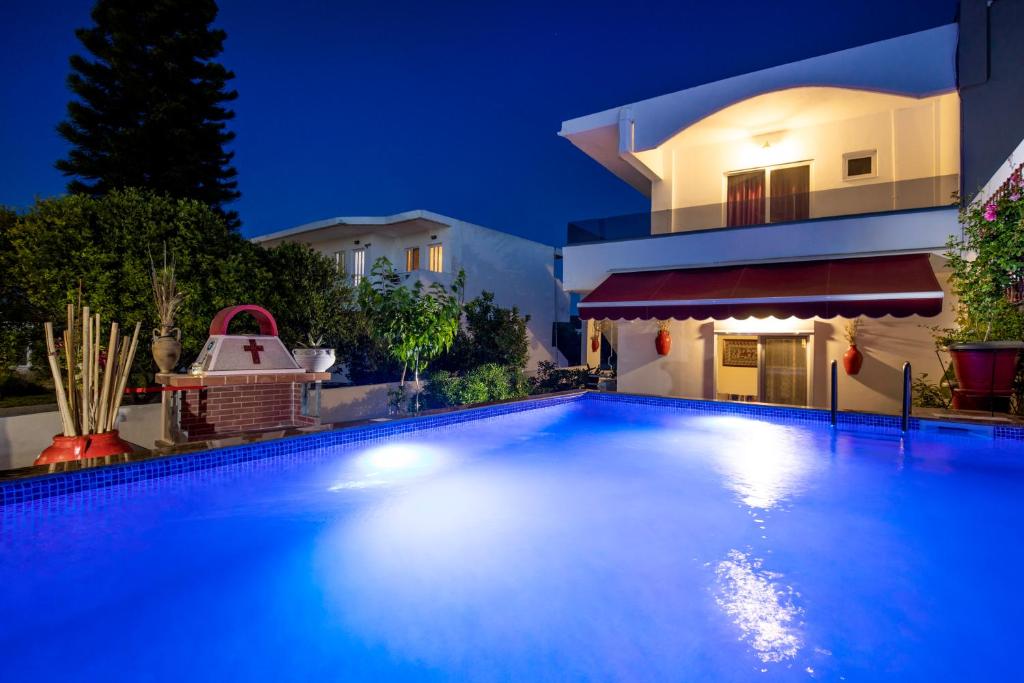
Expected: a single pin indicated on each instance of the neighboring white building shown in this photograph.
(784, 203)
(520, 272)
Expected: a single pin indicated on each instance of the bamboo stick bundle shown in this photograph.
(124, 370)
(89, 396)
(62, 400)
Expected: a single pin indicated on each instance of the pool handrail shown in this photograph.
(906, 407)
(834, 408)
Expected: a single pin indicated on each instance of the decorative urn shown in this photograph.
(166, 348)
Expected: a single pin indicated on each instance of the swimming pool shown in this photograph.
(596, 538)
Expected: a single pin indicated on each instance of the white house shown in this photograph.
(433, 247)
(785, 203)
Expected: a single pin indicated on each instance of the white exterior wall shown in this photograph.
(913, 138)
(520, 272)
(587, 265)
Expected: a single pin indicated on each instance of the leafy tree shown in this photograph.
(311, 300)
(100, 248)
(150, 109)
(416, 324)
(18, 320)
(492, 334)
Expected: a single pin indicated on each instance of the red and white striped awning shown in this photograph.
(876, 286)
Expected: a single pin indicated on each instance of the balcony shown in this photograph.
(855, 200)
(881, 218)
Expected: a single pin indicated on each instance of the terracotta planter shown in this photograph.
(63, 449)
(314, 360)
(985, 372)
(166, 348)
(852, 360)
(663, 342)
(595, 344)
(68, 448)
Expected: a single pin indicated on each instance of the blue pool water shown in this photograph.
(590, 541)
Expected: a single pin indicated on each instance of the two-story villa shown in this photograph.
(785, 204)
(434, 248)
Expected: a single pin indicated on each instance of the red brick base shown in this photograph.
(233, 409)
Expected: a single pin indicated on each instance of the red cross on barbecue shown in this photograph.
(253, 348)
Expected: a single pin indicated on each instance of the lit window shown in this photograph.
(358, 265)
(412, 259)
(436, 258)
(339, 261)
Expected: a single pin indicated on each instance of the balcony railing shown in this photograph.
(863, 198)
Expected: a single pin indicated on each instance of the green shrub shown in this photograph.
(488, 382)
(552, 378)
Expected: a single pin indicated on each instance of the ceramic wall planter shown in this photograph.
(853, 359)
(314, 360)
(166, 348)
(663, 342)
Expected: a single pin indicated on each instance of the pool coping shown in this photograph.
(44, 481)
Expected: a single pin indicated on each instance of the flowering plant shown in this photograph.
(987, 268)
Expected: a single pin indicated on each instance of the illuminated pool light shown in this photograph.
(389, 464)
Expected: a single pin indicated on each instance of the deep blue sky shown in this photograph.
(375, 107)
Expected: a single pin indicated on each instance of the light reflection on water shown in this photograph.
(763, 611)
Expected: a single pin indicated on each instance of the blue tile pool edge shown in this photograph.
(62, 483)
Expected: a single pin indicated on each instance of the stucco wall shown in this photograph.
(912, 138)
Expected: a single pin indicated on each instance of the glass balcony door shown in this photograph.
(784, 370)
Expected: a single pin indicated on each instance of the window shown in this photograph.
(339, 261)
(436, 258)
(412, 259)
(772, 195)
(858, 165)
(358, 265)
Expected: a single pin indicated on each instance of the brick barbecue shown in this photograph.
(239, 384)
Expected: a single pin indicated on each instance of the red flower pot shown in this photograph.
(107, 443)
(63, 449)
(595, 344)
(984, 374)
(663, 342)
(68, 448)
(852, 360)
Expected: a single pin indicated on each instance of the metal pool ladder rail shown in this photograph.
(835, 396)
(905, 415)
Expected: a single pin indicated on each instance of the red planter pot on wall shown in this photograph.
(663, 342)
(852, 360)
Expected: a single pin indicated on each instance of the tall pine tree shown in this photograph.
(150, 109)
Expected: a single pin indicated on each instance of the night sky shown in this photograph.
(375, 107)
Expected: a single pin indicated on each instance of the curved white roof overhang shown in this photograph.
(919, 64)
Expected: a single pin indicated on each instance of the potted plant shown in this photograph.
(89, 387)
(663, 342)
(595, 339)
(853, 358)
(313, 356)
(166, 346)
(985, 263)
